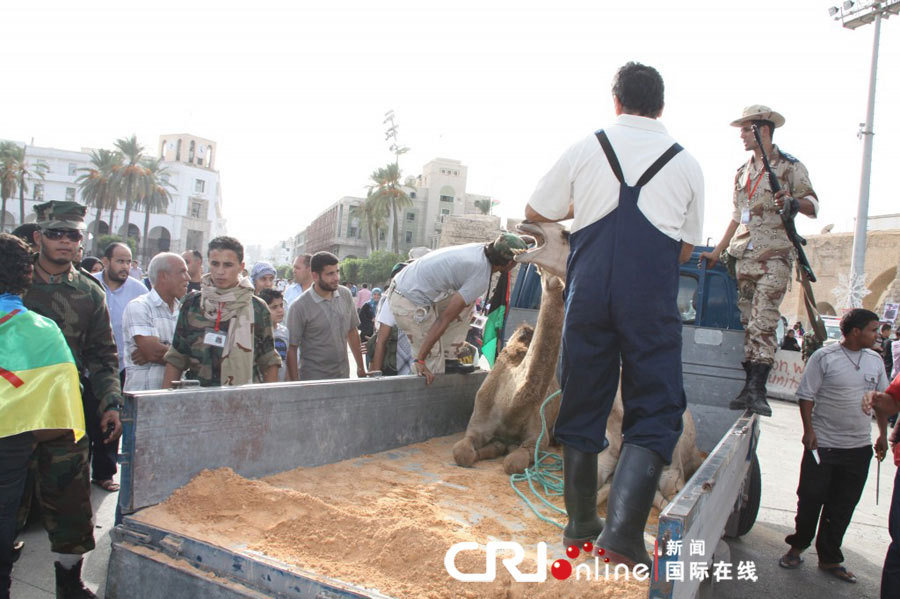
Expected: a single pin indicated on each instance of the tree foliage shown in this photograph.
(375, 270)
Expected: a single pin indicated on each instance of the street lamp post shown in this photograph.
(853, 15)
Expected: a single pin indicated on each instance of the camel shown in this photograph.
(525, 374)
(506, 417)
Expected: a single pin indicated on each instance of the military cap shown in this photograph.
(758, 112)
(56, 214)
(507, 245)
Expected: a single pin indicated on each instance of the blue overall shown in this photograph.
(621, 309)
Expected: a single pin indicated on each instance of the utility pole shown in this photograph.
(853, 15)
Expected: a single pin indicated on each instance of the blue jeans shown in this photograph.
(14, 454)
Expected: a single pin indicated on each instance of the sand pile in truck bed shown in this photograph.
(383, 522)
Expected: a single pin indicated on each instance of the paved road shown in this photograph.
(779, 453)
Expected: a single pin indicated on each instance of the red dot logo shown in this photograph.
(572, 551)
(561, 569)
(588, 547)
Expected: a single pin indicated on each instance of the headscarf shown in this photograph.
(236, 305)
(373, 303)
(260, 269)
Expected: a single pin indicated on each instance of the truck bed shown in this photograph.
(379, 522)
(264, 432)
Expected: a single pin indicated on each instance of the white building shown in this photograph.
(439, 192)
(194, 215)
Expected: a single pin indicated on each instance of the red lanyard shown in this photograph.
(218, 317)
(758, 179)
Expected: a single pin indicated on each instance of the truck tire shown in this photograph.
(750, 507)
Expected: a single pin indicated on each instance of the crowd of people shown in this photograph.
(636, 200)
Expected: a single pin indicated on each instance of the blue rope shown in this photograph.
(542, 474)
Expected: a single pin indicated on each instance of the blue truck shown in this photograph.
(170, 436)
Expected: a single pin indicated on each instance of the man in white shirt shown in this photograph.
(431, 299)
(149, 323)
(837, 441)
(120, 289)
(637, 202)
(302, 279)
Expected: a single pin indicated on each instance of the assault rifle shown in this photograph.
(787, 213)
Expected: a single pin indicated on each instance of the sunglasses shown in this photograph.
(57, 234)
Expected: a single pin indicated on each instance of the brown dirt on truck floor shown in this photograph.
(383, 522)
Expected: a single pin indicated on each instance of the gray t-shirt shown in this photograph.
(836, 387)
(320, 326)
(439, 274)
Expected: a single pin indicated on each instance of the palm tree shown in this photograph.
(484, 206)
(131, 180)
(8, 179)
(371, 214)
(387, 189)
(158, 196)
(98, 186)
(14, 172)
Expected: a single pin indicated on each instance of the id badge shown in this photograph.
(745, 216)
(214, 338)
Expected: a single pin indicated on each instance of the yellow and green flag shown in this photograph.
(39, 387)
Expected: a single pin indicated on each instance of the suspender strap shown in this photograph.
(656, 166)
(617, 168)
(610, 155)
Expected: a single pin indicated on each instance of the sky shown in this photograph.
(294, 93)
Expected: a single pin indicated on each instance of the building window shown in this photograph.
(445, 211)
(410, 216)
(409, 237)
(37, 191)
(446, 198)
(194, 240)
(72, 167)
(199, 186)
(191, 151)
(178, 150)
(380, 234)
(412, 195)
(196, 209)
(162, 149)
(70, 194)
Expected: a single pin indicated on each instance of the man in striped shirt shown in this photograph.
(149, 323)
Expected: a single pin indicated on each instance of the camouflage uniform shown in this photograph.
(762, 249)
(76, 302)
(203, 362)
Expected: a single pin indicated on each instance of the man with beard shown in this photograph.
(120, 290)
(321, 322)
(75, 302)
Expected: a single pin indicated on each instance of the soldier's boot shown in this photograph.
(740, 402)
(756, 400)
(580, 495)
(69, 584)
(630, 499)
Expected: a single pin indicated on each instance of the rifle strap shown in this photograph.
(809, 300)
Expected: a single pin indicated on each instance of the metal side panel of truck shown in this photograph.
(260, 430)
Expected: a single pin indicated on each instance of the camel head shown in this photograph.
(551, 248)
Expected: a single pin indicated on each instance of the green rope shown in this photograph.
(542, 474)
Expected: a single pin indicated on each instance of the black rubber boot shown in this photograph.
(756, 399)
(740, 402)
(630, 499)
(580, 494)
(69, 584)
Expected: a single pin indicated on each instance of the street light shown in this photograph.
(853, 15)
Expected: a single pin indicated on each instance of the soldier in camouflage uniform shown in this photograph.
(756, 240)
(77, 303)
(196, 345)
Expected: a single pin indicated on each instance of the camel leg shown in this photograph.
(518, 460)
(475, 447)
